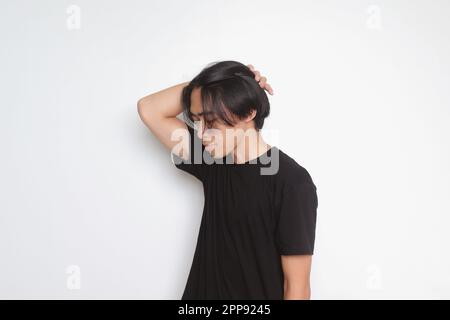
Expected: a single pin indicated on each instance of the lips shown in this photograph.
(210, 146)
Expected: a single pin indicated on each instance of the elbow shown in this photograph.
(142, 109)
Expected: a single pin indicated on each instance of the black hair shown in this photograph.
(227, 87)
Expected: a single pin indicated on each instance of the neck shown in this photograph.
(251, 149)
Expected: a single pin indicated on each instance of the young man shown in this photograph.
(257, 232)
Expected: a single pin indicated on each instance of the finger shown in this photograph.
(257, 75)
(269, 88)
(262, 81)
(251, 67)
(262, 84)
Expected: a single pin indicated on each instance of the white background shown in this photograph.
(91, 204)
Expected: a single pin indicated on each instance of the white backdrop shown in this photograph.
(91, 204)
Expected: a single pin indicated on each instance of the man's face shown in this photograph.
(221, 138)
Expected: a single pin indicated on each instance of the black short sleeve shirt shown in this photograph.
(254, 212)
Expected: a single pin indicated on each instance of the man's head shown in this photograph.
(225, 103)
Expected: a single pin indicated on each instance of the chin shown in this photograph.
(216, 155)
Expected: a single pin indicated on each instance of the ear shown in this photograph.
(251, 116)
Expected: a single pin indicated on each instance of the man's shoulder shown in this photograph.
(291, 172)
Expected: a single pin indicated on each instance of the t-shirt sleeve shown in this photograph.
(195, 164)
(296, 228)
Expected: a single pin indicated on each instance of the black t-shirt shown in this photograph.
(249, 220)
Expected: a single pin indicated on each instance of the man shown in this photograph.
(257, 232)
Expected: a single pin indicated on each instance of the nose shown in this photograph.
(199, 126)
(204, 135)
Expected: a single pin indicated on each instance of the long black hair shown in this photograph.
(227, 86)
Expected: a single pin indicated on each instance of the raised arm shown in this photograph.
(159, 110)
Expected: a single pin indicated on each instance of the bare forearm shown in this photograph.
(159, 113)
(297, 292)
(165, 103)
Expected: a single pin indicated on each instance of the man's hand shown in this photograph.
(261, 80)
